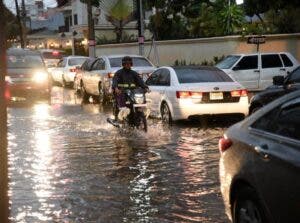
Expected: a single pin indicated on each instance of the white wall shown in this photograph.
(199, 50)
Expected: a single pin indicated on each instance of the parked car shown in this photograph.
(260, 164)
(281, 86)
(255, 71)
(97, 76)
(27, 75)
(185, 92)
(64, 72)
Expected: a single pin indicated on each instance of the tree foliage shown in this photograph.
(118, 13)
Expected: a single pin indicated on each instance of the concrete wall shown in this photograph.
(199, 50)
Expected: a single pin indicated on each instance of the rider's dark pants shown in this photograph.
(120, 101)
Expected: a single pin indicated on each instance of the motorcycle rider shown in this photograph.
(125, 78)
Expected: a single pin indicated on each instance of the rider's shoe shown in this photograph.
(114, 122)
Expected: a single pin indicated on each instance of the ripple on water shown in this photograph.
(71, 166)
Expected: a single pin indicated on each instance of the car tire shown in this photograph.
(166, 114)
(64, 83)
(101, 97)
(247, 207)
(85, 95)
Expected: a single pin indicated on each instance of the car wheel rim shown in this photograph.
(165, 114)
(249, 213)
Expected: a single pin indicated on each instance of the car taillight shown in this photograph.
(110, 75)
(224, 144)
(72, 70)
(239, 93)
(189, 94)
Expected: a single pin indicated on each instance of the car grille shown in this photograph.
(226, 98)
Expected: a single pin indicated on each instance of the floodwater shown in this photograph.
(67, 164)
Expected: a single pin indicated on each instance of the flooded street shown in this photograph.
(67, 164)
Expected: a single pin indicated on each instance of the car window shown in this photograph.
(164, 78)
(295, 76)
(76, 61)
(136, 62)
(24, 61)
(228, 62)
(270, 61)
(286, 60)
(199, 75)
(64, 62)
(247, 63)
(283, 121)
(154, 78)
(52, 55)
(99, 65)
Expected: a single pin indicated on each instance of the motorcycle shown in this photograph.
(135, 113)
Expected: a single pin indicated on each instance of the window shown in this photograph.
(164, 78)
(153, 79)
(286, 61)
(247, 63)
(270, 60)
(284, 120)
(295, 76)
(75, 19)
(99, 65)
(64, 62)
(200, 75)
(137, 62)
(228, 62)
(76, 61)
(24, 61)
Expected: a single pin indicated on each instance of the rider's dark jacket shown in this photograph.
(127, 78)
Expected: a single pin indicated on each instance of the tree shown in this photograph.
(118, 13)
(232, 18)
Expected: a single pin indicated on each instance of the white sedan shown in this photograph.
(64, 72)
(185, 92)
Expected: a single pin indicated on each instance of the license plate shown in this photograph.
(139, 105)
(216, 95)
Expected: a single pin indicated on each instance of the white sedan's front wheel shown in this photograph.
(166, 114)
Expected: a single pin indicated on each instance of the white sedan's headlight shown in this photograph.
(40, 77)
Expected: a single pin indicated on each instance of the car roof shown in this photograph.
(200, 67)
(264, 53)
(122, 55)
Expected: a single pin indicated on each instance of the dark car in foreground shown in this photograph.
(27, 76)
(280, 87)
(260, 164)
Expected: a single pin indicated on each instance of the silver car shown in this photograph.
(96, 78)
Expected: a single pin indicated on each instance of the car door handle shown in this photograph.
(256, 71)
(262, 150)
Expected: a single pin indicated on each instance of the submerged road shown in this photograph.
(67, 164)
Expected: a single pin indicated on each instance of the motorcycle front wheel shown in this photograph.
(142, 122)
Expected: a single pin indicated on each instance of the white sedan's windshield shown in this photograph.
(228, 62)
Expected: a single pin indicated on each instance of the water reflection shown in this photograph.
(69, 165)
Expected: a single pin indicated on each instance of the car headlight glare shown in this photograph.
(40, 77)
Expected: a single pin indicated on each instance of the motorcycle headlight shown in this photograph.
(139, 98)
(40, 77)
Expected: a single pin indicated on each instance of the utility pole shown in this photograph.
(140, 18)
(91, 29)
(4, 201)
(24, 21)
(20, 24)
